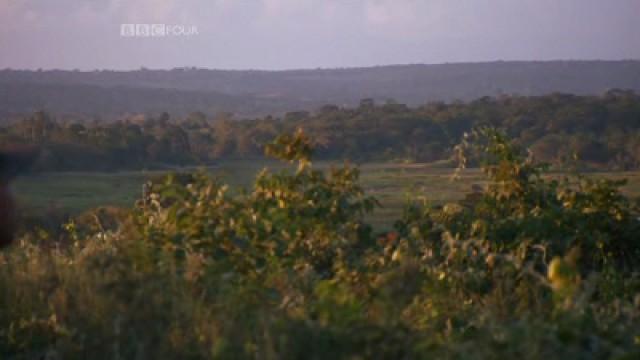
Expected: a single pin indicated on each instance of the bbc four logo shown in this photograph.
(156, 30)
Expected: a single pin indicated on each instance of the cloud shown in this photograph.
(310, 33)
(148, 11)
(387, 12)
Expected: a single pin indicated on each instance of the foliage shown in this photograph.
(520, 208)
(590, 132)
(529, 268)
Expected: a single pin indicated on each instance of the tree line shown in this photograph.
(592, 132)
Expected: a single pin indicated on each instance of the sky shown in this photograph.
(288, 34)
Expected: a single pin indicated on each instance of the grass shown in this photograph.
(392, 184)
(77, 192)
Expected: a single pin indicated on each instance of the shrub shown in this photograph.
(530, 268)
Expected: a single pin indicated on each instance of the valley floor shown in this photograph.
(391, 183)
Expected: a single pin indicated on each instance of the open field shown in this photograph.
(392, 184)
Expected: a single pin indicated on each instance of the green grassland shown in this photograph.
(392, 184)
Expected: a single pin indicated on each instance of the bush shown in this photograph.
(530, 268)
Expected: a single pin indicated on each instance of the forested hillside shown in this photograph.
(274, 92)
(109, 103)
(592, 132)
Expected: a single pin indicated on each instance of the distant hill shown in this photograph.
(250, 93)
(86, 100)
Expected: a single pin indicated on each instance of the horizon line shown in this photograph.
(190, 68)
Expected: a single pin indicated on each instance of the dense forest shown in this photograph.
(590, 132)
(259, 93)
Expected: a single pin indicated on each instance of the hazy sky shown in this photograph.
(280, 34)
